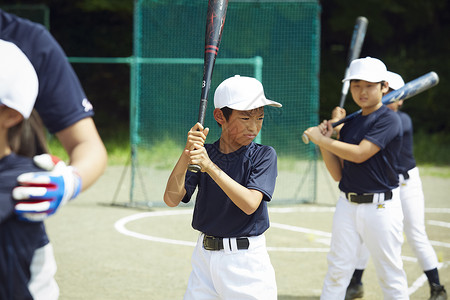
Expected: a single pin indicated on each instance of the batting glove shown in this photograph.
(40, 194)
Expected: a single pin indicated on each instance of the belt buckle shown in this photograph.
(207, 245)
(349, 195)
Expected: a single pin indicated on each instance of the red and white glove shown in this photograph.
(41, 194)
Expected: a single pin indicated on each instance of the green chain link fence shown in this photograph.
(274, 41)
(277, 42)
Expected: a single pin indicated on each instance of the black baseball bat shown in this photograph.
(407, 91)
(359, 33)
(215, 19)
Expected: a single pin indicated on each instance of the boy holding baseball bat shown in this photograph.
(412, 199)
(236, 181)
(364, 161)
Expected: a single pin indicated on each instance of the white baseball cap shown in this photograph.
(368, 69)
(18, 79)
(395, 80)
(241, 93)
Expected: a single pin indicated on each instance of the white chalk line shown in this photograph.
(418, 283)
(439, 223)
(120, 226)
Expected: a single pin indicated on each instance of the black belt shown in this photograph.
(366, 198)
(405, 175)
(216, 243)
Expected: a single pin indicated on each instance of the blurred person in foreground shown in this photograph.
(65, 112)
(27, 263)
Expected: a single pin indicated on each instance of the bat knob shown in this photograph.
(305, 139)
(194, 168)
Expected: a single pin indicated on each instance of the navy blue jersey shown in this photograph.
(406, 159)
(378, 173)
(18, 239)
(61, 100)
(254, 167)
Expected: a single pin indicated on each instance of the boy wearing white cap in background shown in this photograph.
(27, 264)
(364, 161)
(413, 206)
(236, 181)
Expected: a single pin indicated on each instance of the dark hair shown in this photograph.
(28, 137)
(383, 82)
(226, 113)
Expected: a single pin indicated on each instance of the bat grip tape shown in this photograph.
(202, 111)
(201, 120)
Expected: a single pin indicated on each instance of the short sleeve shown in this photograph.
(61, 100)
(386, 128)
(264, 173)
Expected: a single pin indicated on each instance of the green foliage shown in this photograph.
(106, 5)
(409, 36)
(432, 148)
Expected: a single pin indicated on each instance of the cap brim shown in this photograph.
(255, 104)
(364, 77)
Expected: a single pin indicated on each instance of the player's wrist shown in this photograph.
(185, 158)
(209, 167)
(334, 120)
(319, 139)
(77, 181)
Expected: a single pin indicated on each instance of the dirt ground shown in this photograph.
(114, 252)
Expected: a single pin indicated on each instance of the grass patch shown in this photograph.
(118, 150)
(117, 144)
(434, 171)
(162, 155)
(57, 149)
(432, 152)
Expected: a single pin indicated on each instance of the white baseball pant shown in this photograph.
(413, 206)
(42, 285)
(380, 227)
(231, 273)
